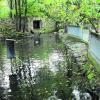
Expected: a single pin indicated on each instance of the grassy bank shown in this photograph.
(93, 61)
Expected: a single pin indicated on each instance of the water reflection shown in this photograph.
(33, 69)
(39, 72)
(5, 68)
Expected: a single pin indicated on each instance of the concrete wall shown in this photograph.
(79, 32)
(47, 25)
(94, 47)
(92, 40)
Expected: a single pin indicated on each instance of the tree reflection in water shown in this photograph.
(41, 70)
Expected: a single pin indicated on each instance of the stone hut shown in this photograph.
(43, 25)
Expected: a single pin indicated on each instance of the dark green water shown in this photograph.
(40, 70)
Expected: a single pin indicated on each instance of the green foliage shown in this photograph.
(4, 9)
(9, 32)
(77, 12)
(71, 12)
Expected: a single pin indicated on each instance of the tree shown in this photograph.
(77, 12)
(18, 10)
(4, 9)
(90, 13)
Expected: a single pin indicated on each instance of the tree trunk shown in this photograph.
(66, 28)
(21, 18)
(19, 7)
(16, 16)
(11, 7)
(25, 18)
(93, 25)
(56, 26)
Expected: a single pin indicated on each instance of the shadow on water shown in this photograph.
(39, 71)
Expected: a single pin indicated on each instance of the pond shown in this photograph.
(38, 71)
(36, 67)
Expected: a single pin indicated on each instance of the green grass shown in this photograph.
(96, 65)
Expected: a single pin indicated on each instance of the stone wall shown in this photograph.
(47, 25)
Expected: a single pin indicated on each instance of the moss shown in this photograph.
(7, 32)
(97, 66)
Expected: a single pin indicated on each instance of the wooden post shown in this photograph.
(10, 48)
